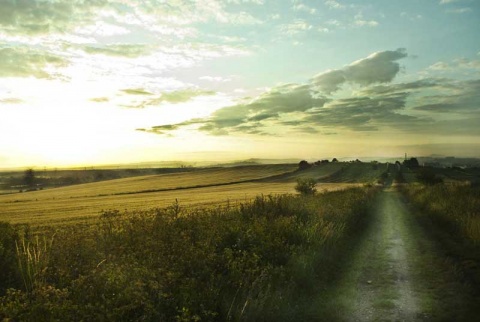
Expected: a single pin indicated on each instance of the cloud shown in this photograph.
(295, 27)
(37, 16)
(136, 91)
(410, 107)
(449, 1)
(439, 66)
(379, 67)
(427, 83)
(186, 12)
(173, 97)
(100, 99)
(304, 8)
(334, 4)
(119, 50)
(369, 23)
(249, 117)
(456, 64)
(11, 100)
(26, 62)
(364, 113)
(215, 79)
(453, 97)
(459, 10)
(259, 2)
(299, 109)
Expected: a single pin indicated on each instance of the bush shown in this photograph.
(9, 276)
(428, 177)
(306, 186)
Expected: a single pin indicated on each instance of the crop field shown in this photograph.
(200, 188)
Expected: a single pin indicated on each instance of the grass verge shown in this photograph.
(449, 265)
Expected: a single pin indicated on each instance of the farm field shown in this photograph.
(357, 253)
(201, 188)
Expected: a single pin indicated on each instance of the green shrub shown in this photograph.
(306, 186)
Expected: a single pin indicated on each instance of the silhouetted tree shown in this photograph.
(412, 163)
(334, 160)
(427, 176)
(29, 177)
(303, 165)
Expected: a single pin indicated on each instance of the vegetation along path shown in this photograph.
(395, 274)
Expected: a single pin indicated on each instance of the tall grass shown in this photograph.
(268, 259)
(455, 206)
(32, 258)
(451, 214)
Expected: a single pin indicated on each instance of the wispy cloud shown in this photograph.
(449, 1)
(304, 8)
(36, 17)
(295, 27)
(359, 20)
(119, 50)
(11, 100)
(459, 10)
(172, 97)
(25, 62)
(334, 4)
(455, 65)
(215, 79)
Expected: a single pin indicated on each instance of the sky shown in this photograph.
(88, 82)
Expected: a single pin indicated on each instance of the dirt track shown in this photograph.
(379, 284)
(398, 273)
(384, 286)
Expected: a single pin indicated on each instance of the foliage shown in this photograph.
(32, 260)
(304, 165)
(427, 176)
(306, 186)
(451, 213)
(8, 272)
(262, 260)
(29, 177)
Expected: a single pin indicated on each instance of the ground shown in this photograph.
(396, 273)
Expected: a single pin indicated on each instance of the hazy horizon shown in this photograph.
(121, 82)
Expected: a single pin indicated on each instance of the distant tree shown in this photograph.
(427, 176)
(29, 177)
(306, 186)
(412, 163)
(334, 160)
(303, 165)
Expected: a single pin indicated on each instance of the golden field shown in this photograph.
(198, 188)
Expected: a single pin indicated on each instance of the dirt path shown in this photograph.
(379, 284)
